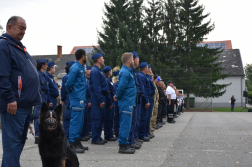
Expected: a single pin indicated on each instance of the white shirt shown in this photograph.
(171, 91)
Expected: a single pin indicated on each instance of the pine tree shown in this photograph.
(199, 63)
(111, 40)
(153, 26)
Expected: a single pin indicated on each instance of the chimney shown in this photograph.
(59, 53)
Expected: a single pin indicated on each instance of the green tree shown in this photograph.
(193, 30)
(111, 39)
(248, 72)
(153, 26)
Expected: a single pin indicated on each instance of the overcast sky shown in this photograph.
(75, 22)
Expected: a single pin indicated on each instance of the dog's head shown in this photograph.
(50, 120)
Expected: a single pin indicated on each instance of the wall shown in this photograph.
(236, 88)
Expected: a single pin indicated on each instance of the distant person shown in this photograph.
(232, 103)
(20, 90)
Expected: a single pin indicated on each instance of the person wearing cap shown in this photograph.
(86, 130)
(126, 96)
(66, 101)
(99, 90)
(108, 112)
(116, 71)
(41, 68)
(20, 91)
(171, 94)
(53, 88)
(133, 136)
(145, 102)
(76, 87)
(151, 99)
(153, 122)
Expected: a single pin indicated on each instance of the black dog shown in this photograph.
(53, 146)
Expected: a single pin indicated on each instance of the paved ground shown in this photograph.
(197, 139)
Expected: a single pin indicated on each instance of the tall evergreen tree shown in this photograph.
(153, 26)
(193, 30)
(111, 39)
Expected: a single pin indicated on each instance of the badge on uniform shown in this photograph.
(111, 83)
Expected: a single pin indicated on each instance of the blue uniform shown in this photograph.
(19, 81)
(67, 114)
(145, 100)
(76, 87)
(108, 113)
(53, 90)
(126, 95)
(88, 111)
(99, 90)
(116, 113)
(151, 98)
(136, 111)
(44, 91)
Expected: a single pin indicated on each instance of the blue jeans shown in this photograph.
(232, 107)
(14, 132)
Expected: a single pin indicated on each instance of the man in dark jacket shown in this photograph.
(19, 91)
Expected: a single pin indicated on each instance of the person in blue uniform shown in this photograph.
(145, 102)
(116, 120)
(85, 135)
(41, 68)
(151, 98)
(76, 87)
(108, 109)
(66, 101)
(20, 91)
(99, 90)
(126, 96)
(53, 88)
(133, 139)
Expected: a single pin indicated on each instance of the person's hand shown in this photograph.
(111, 107)
(89, 105)
(12, 107)
(147, 105)
(115, 98)
(169, 103)
(102, 105)
(63, 102)
(31, 131)
(50, 105)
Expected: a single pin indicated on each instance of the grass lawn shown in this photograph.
(236, 109)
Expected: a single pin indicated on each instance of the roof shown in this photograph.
(61, 63)
(88, 49)
(232, 61)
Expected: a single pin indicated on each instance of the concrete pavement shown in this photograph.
(197, 139)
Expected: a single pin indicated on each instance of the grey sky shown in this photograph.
(75, 23)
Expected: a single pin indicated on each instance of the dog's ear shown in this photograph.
(58, 110)
(44, 107)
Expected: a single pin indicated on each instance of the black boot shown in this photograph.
(135, 146)
(84, 138)
(125, 149)
(80, 145)
(139, 140)
(151, 136)
(111, 139)
(36, 140)
(75, 147)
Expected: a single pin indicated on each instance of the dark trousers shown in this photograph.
(116, 119)
(133, 126)
(14, 132)
(160, 112)
(138, 111)
(108, 122)
(170, 111)
(147, 130)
